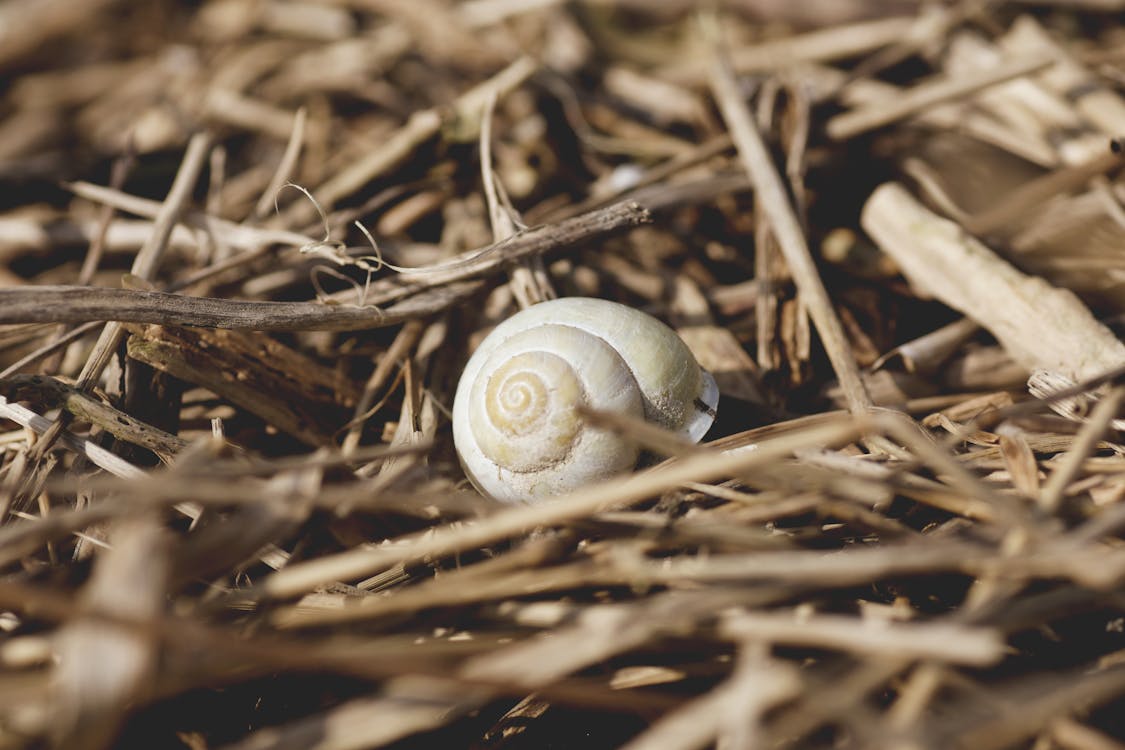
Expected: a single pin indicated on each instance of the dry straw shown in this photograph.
(230, 511)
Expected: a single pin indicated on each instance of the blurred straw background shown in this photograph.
(230, 512)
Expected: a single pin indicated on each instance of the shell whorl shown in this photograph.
(515, 425)
(523, 407)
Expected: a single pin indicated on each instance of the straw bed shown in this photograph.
(246, 247)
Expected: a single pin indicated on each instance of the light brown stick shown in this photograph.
(922, 97)
(771, 196)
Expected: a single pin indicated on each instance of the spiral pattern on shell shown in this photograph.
(530, 395)
(515, 422)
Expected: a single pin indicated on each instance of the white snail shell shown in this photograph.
(514, 421)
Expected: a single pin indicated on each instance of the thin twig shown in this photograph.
(926, 95)
(771, 195)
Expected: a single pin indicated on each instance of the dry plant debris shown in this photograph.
(246, 246)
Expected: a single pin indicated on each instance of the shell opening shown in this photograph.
(703, 409)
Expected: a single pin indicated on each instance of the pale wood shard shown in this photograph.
(1040, 326)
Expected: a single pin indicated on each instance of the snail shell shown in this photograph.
(515, 426)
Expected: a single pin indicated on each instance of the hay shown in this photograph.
(230, 512)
